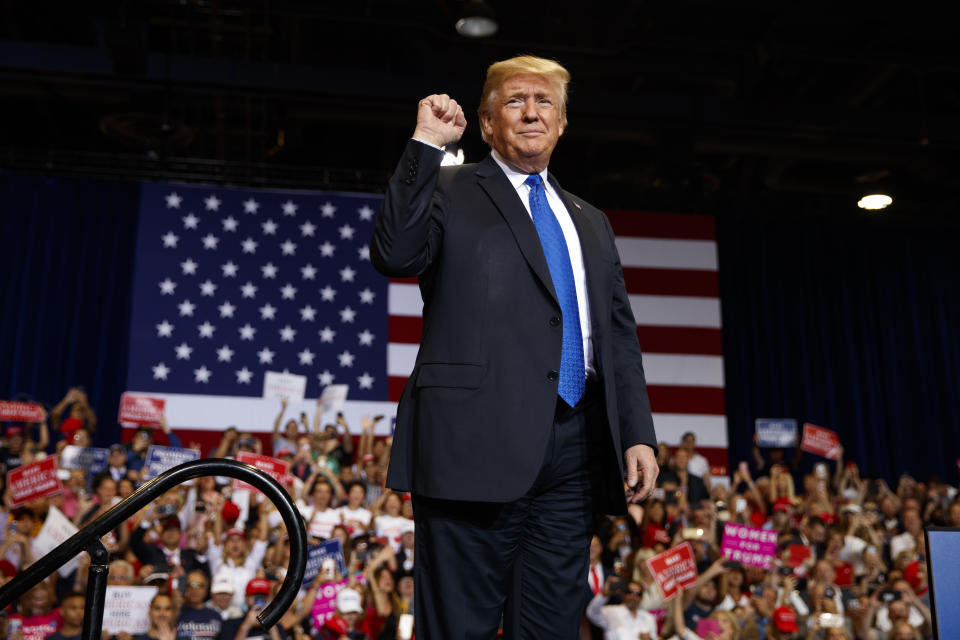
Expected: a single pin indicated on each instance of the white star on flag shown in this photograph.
(327, 249)
(167, 287)
(249, 245)
(265, 355)
(190, 221)
(366, 338)
(364, 252)
(248, 290)
(347, 274)
(206, 329)
(174, 200)
(288, 248)
(269, 227)
(367, 296)
(210, 241)
(268, 312)
(164, 330)
(269, 270)
(346, 232)
(160, 371)
(229, 270)
(288, 291)
(170, 240)
(202, 374)
(186, 308)
(306, 357)
(287, 334)
(189, 267)
(226, 309)
(346, 359)
(328, 293)
(208, 288)
(308, 272)
(247, 331)
(212, 203)
(328, 209)
(289, 208)
(183, 351)
(366, 213)
(307, 229)
(307, 314)
(327, 334)
(250, 206)
(365, 381)
(224, 354)
(325, 377)
(230, 223)
(244, 375)
(347, 314)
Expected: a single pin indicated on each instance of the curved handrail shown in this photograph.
(91, 534)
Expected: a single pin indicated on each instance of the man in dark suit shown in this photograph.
(527, 401)
(166, 550)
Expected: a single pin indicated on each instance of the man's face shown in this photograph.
(523, 122)
(707, 592)
(632, 596)
(117, 458)
(72, 611)
(170, 537)
(196, 591)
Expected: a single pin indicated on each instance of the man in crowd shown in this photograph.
(166, 550)
(196, 619)
(528, 395)
(625, 620)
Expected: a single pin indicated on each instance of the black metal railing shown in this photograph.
(88, 539)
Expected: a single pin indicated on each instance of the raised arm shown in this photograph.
(279, 419)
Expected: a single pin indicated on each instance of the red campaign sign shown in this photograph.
(673, 568)
(820, 441)
(33, 481)
(798, 554)
(141, 409)
(21, 411)
(277, 469)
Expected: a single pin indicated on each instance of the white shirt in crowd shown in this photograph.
(617, 622)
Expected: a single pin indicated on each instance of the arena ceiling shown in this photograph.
(688, 105)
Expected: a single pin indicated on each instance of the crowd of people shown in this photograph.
(850, 557)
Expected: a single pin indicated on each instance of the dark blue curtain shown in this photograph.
(851, 325)
(66, 290)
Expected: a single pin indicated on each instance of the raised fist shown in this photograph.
(440, 120)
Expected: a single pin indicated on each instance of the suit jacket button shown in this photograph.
(552, 376)
(554, 321)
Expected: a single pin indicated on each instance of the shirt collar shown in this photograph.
(515, 177)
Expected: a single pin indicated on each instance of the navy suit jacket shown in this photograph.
(475, 416)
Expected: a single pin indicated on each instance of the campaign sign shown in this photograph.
(56, 529)
(672, 568)
(820, 441)
(279, 386)
(159, 459)
(21, 411)
(316, 554)
(277, 469)
(776, 432)
(749, 545)
(797, 555)
(93, 460)
(125, 609)
(33, 481)
(326, 603)
(334, 396)
(142, 410)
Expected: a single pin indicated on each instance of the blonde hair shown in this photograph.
(731, 618)
(499, 72)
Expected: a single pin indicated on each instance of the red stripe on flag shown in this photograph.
(682, 340)
(699, 400)
(675, 226)
(395, 386)
(405, 329)
(412, 280)
(671, 282)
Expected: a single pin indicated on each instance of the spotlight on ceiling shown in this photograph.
(477, 20)
(875, 201)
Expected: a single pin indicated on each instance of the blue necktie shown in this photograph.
(572, 377)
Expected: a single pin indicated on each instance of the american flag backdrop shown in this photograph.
(232, 283)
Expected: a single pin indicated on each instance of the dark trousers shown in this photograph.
(524, 561)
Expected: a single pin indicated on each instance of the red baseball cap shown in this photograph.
(258, 586)
(230, 512)
(783, 504)
(235, 532)
(784, 619)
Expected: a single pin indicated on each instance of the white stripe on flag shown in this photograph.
(658, 253)
(676, 311)
(401, 358)
(404, 300)
(683, 370)
(711, 430)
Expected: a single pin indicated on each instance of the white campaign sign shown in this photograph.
(125, 609)
(334, 397)
(277, 386)
(56, 528)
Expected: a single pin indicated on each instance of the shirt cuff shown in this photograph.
(429, 144)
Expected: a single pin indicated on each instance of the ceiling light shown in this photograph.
(477, 20)
(875, 201)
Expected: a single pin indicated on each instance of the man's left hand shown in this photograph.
(642, 470)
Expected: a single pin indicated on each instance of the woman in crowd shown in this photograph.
(163, 624)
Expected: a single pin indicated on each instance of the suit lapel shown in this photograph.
(504, 196)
